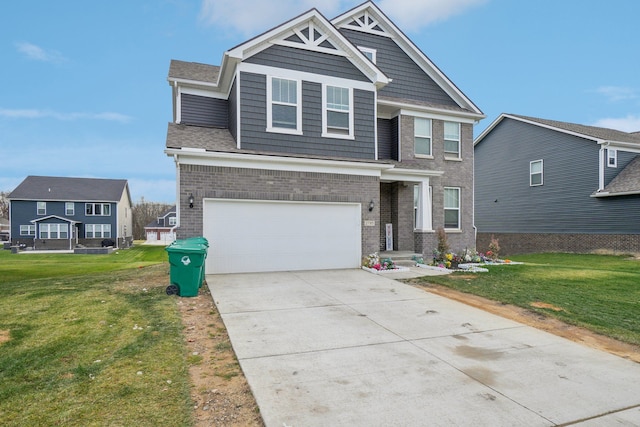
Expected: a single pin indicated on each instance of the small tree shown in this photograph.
(4, 204)
(443, 246)
(494, 248)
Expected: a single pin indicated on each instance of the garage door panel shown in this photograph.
(274, 236)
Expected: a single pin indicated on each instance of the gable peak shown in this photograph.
(365, 21)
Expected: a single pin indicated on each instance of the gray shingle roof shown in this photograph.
(156, 223)
(591, 131)
(210, 139)
(53, 188)
(627, 181)
(193, 71)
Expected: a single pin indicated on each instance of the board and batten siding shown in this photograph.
(204, 111)
(409, 80)
(506, 203)
(254, 123)
(308, 61)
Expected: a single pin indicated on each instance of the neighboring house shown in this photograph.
(163, 229)
(4, 229)
(59, 213)
(543, 185)
(309, 139)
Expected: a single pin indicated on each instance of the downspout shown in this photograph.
(601, 166)
(178, 215)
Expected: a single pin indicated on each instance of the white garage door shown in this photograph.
(255, 235)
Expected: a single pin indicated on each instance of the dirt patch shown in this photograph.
(530, 318)
(219, 389)
(4, 336)
(538, 304)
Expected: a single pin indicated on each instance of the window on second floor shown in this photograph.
(612, 158)
(69, 208)
(284, 113)
(337, 114)
(452, 208)
(451, 140)
(422, 136)
(42, 208)
(173, 220)
(97, 209)
(536, 169)
(369, 53)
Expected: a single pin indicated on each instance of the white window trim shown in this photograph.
(612, 155)
(38, 208)
(531, 184)
(102, 205)
(450, 155)
(366, 50)
(93, 231)
(298, 105)
(31, 230)
(325, 132)
(53, 227)
(459, 209)
(430, 136)
(72, 210)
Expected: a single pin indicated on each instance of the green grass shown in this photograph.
(93, 340)
(598, 292)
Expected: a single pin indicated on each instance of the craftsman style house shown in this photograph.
(549, 186)
(318, 142)
(60, 213)
(162, 231)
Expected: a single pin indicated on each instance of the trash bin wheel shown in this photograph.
(172, 290)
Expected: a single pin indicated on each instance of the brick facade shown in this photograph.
(259, 184)
(524, 243)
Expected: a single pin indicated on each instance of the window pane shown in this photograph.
(106, 209)
(451, 146)
(451, 218)
(451, 130)
(42, 208)
(338, 98)
(284, 116)
(451, 198)
(423, 146)
(88, 208)
(422, 127)
(69, 208)
(337, 120)
(536, 167)
(284, 91)
(536, 179)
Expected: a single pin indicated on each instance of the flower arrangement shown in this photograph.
(373, 261)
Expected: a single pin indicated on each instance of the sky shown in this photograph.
(84, 92)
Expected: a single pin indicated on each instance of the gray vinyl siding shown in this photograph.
(388, 139)
(254, 123)
(308, 61)
(623, 160)
(505, 203)
(233, 105)
(409, 80)
(204, 111)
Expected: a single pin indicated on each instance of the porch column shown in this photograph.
(424, 207)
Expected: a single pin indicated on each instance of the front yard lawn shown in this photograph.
(597, 292)
(91, 340)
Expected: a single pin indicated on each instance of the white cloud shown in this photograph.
(252, 17)
(616, 93)
(37, 53)
(630, 123)
(41, 114)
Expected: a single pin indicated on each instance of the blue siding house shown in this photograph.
(544, 185)
(319, 142)
(49, 213)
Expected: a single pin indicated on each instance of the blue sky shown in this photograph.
(84, 90)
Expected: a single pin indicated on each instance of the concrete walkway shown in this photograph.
(350, 348)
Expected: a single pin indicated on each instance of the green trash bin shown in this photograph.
(186, 260)
(203, 242)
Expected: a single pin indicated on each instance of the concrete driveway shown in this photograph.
(347, 347)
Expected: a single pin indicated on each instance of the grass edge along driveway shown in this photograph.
(598, 292)
(91, 340)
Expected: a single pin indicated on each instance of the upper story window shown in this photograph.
(369, 53)
(422, 136)
(337, 112)
(452, 140)
(173, 220)
(284, 113)
(452, 208)
(41, 208)
(536, 169)
(97, 209)
(69, 208)
(612, 158)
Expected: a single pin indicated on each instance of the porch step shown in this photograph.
(402, 258)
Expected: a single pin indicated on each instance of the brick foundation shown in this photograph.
(514, 244)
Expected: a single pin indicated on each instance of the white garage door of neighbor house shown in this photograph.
(255, 235)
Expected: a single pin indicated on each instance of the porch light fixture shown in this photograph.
(191, 200)
(371, 206)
